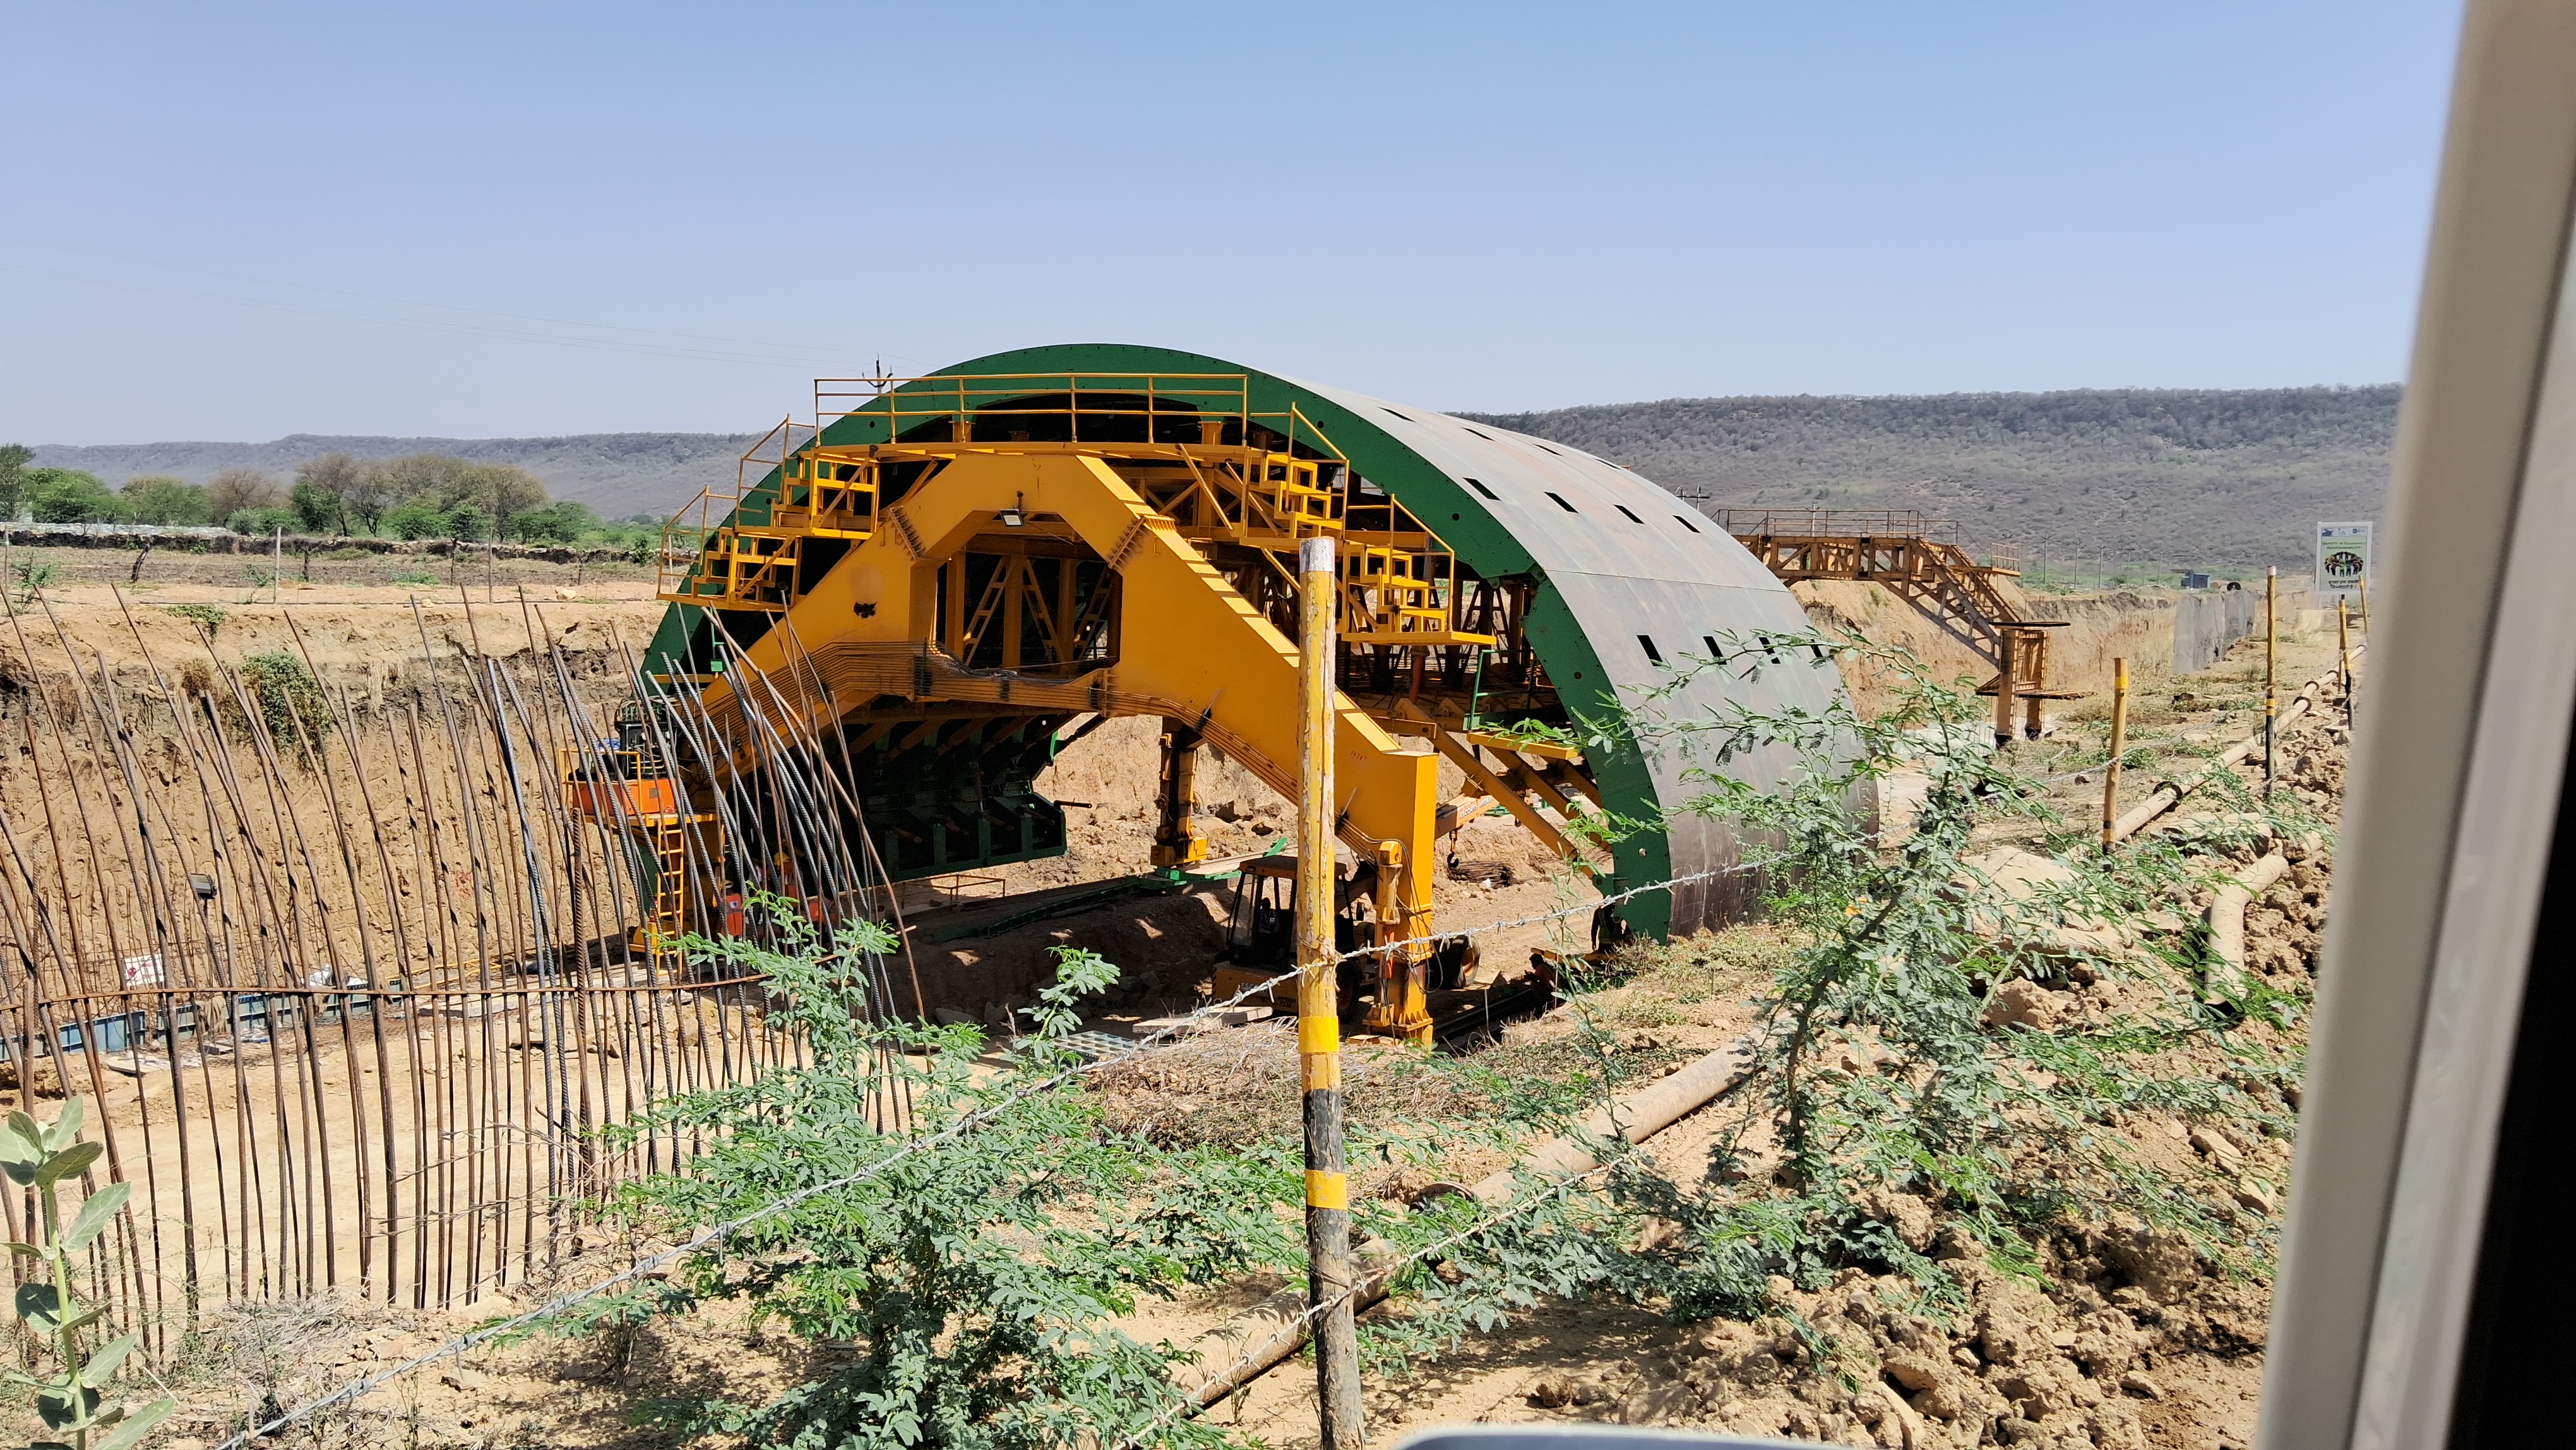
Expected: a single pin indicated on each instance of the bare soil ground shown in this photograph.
(2128, 1340)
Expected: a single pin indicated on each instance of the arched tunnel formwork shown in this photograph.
(1039, 547)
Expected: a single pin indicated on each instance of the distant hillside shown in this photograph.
(2230, 479)
(617, 474)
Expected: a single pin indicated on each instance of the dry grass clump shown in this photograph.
(1226, 1088)
(1240, 1086)
(1727, 965)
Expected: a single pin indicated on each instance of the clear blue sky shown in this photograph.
(240, 221)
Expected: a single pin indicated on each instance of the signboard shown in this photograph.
(145, 971)
(2343, 561)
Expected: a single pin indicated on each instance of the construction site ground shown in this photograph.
(2125, 1344)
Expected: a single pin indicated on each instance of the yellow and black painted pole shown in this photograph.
(1319, 1028)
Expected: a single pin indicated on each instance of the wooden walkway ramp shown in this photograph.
(1920, 561)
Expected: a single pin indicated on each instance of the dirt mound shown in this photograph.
(2129, 1341)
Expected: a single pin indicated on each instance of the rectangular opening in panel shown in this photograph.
(1561, 503)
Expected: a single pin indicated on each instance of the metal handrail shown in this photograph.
(1837, 523)
(1874, 524)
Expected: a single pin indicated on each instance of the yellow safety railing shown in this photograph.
(1399, 581)
(825, 497)
(1192, 443)
(1077, 408)
(713, 556)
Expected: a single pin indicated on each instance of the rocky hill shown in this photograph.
(2229, 479)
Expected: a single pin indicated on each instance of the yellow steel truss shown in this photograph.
(1084, 534)
(1191, 649)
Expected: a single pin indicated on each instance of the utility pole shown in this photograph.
(2119, 743)
(1319, 1028)
(2271, 662)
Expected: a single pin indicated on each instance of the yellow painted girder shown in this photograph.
(1191, 648)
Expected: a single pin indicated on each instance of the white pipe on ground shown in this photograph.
(2226, 976)
(1241, 1350)
(2169, 793)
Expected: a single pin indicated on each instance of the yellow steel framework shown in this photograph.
(1113, 545)
(633, 797)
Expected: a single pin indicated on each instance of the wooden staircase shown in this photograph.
(1920, 561)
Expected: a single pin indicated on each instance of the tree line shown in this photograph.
(419, 496)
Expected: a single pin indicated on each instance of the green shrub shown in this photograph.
(1877, 1068)
(264, 522)
(416, 519)
(29, 579)
(290, 701)
(206, 617)
(561, 522)
(69, 496)
(39, 1159)
(316, 509)
(979, 1265)
(154, 499)
(1880, 1066)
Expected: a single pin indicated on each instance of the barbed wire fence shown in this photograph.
(1378, 1273)
(715, 1235)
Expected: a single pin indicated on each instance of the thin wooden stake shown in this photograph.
(2271, 667)
(2119, 744)
(2343, 654)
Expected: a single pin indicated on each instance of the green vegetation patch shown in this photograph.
(206, 617)
(290, 701)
